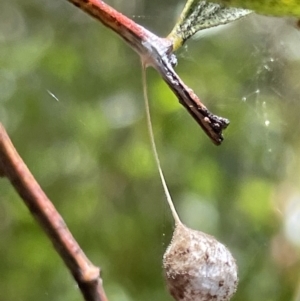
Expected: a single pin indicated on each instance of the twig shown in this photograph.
(83, 271)
(156, 52)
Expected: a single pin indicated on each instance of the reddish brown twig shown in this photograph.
(156, 52)
(83, 271)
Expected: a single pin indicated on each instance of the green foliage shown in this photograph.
(90, 150)
(267, 7)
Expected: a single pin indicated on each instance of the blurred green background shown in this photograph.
(71, 100)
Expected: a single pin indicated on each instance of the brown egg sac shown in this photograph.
(198, 267)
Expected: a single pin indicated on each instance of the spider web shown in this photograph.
(268, 101)
(265, 103)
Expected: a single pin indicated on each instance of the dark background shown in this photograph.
(89, 149)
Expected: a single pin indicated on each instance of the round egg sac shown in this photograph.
(198, 267)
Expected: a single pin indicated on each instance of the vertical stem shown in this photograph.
(83, 271)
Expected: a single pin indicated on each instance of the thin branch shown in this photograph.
(156, 52)
(83, 271)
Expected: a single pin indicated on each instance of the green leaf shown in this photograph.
(267, 7)
(198, 15)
